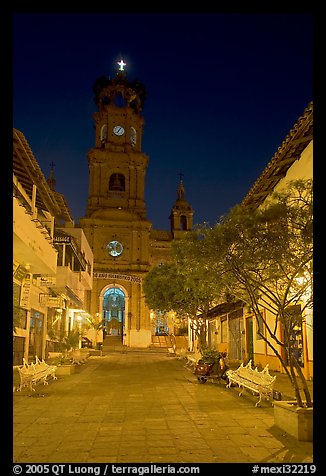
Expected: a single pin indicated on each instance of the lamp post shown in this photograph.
(79, 320)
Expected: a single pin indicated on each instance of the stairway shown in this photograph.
(112, 344)
(160, 343)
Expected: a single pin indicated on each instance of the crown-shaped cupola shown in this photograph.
(118, 122)
(181, 214)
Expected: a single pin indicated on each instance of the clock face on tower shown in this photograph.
(118, 130)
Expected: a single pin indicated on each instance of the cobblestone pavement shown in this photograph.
(146, 407)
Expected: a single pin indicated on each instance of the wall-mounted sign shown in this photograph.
(123, 277)
(25, 294)
(19, 273)
(61, 239)
(46, 281)
(54, 302)
(51, 301)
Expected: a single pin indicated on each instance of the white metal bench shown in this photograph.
(31, 374)
(260, 383)
(192, 359)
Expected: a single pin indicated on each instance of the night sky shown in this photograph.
(223, 91)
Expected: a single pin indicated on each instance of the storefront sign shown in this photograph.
(46, 281)
(25, 295)
(51, 301)
(123, 277)
(61, 239)
(19, 273)
(54, 302)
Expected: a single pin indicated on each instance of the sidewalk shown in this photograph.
(143, 407)
(284, 387)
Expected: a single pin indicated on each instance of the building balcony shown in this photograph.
(32, 242)
(86, 280)
(68, 283)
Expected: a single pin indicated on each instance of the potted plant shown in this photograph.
(67, 344)
(96, 327)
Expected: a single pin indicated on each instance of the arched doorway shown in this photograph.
(113, 312)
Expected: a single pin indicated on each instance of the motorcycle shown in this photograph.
(212, 366)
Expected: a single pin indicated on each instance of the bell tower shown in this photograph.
(181, 216)
(115, 222)
(117, 166)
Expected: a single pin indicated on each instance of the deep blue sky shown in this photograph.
(223, 91)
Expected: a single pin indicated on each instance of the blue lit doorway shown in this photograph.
(114, 301)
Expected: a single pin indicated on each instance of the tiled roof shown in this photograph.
(288, 152)
(29, 173)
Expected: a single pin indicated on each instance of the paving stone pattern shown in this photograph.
(138, 407)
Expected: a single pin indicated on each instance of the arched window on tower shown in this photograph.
(117, 183)
(119, 100)
(104, 134)
(183, 222)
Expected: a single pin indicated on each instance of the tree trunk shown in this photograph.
(305, 388)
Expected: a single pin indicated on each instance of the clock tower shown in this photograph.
(117, 165)
(115, 223)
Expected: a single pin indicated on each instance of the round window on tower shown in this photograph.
(114, 248)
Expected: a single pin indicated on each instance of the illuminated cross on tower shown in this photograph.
(181, 190)
(122, 64)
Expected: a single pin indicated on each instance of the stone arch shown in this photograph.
(117, 183)
(183, 223)
(116, 324)
(104, 133)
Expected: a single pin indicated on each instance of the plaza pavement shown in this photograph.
(146, 407)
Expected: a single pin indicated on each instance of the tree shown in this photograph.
(164, 291)
(201, 287)
(95, 325)
(162, 288)
(71, 340)
(184, 286)
(267, 256)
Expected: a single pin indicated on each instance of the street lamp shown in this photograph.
(79, 320)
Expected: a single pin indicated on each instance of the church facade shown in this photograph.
(123, 242)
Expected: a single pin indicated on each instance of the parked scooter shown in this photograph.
(212, 366)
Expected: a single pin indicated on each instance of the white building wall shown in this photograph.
(301, 169)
